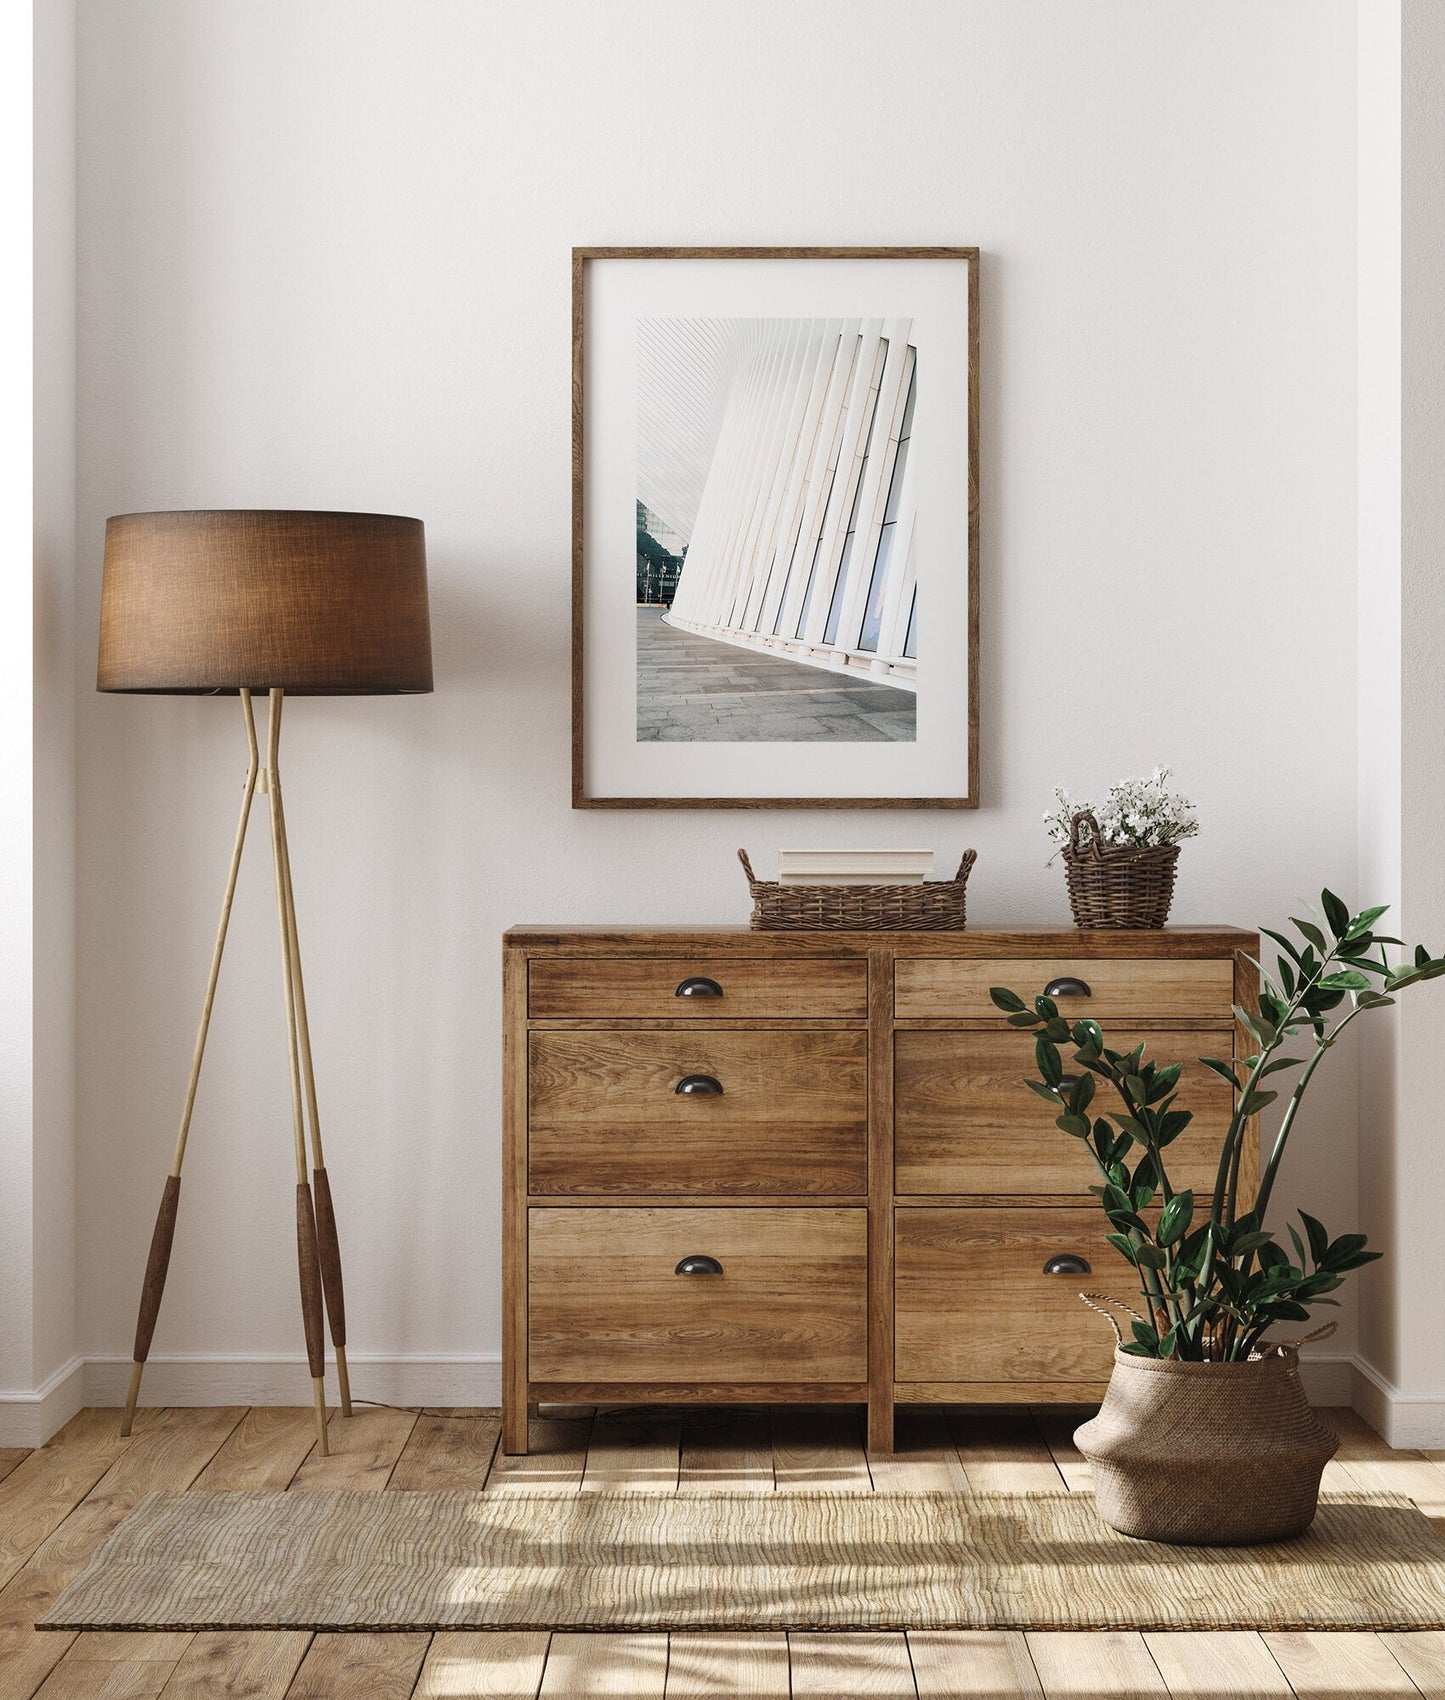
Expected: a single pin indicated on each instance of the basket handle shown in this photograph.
(969, 858)
(747, 867)
(1278, 1348)
(1097, 1301)
(1096, 841)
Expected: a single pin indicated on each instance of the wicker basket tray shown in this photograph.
(1117, 887)
(933, 906)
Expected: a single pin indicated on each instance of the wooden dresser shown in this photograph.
(772, 1167)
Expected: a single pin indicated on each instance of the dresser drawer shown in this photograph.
(973, 1304)
(773, 1112)
(605, 1303)
(1140, 989)
(965, 1122)
(697, 988)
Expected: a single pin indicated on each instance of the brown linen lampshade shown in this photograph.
(214, 601)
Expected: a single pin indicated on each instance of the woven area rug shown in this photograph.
(735, 1561)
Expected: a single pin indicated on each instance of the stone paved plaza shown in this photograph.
(693, 689)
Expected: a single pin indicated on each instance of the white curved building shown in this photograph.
(779, 448)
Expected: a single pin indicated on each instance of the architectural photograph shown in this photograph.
(722, 785)
(773, 456)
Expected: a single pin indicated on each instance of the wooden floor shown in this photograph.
(58, 1502)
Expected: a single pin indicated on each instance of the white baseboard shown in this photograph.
(29, 1419)
(214, 1380)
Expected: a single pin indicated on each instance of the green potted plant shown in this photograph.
(1205, 1435)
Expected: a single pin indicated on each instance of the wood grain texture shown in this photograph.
(554, 1462)
(1421, 1655)
(364, 1451)
(446, 1451)
(1342, 1666)
(582, 797)
(1097, 1665)
(1122, 990)
(158, 1261)
(43, 1488)
(1003, 1452)
(880, 1212)
(480, 1664)
(972, 1664)
(264, 1451)
(727, 1667)
(109, 1666)
(635, 1457)
(967, 1124)
(605, 1300)
(730, 1452)
(1028, 940)
(827, 1667)
(514, 1200)
(647, 986)
(921, 1459)
(239, 1664)
(1217, 1664)
(973, 1302)
(604, 1114)
(815, 1450)
(581, 1667)
(347, 1666)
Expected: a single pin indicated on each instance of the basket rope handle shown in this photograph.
(1277, 1348)
(969, 858)
(1095, 843)
(747, 867)
(1097, 1301)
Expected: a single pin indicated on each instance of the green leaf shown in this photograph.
(1024, 1020)
(1319, 1239)
(1151, 1256)
(1344, 980)
(1047, 1093)
(1046, 1007)
(1336, 913)
(1046, 1055)
(1174, 1219)
(1010, 1002)
(1282, 941)
(1224, 1070)
(1311, 932)
(1366, 919)
(1082, 1094)
(1123, 1245)
(1078, 1126)
(1276, 1063)
(1246, 1243)
(1146, 1335)
(1262, 1029)
(1253, 1102)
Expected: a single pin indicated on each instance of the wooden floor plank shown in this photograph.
(238, 1664)
(580, 1667)
(1003, 1452)
(813, 1450)
(1217, 1664)
(924, 1458)
(1338, 1666)
(1094, 1665)
(1056, 1425)
(839, 1667)
(445, 1452)
(107, 1666)
(972, 1664)
(168, 1450)
(1405, 1473)
(727, 1667)
(727, 1451)
(555, 1463)
(640, 1457)
(265, 1452)
(1357, 1439)
(10, 1456)
(1421, 1655)
(364, 1451)
(355, 1666)
(45, 1487)
(483, 1664)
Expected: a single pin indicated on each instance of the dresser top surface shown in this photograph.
(982, 941)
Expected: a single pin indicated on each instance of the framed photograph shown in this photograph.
(775, 528)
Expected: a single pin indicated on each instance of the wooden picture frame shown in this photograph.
(817, 363)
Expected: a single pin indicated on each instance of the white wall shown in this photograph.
(324, 262)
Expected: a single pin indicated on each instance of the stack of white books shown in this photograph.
(854, 867)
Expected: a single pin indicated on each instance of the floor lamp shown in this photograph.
(246, 602)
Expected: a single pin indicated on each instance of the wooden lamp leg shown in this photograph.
(328, 1245)
(158, 1262)
(306, 1248)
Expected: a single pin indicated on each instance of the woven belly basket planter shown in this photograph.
(1207, 1454)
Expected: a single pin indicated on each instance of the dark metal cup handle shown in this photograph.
(698, 1265)
(1067, 1263)
(705, 1085)
(1068, 986)
(698, 986)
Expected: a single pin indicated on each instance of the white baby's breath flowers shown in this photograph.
(1138, 813)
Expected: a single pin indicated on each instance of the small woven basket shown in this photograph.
(933, 906)
(1117, 886)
